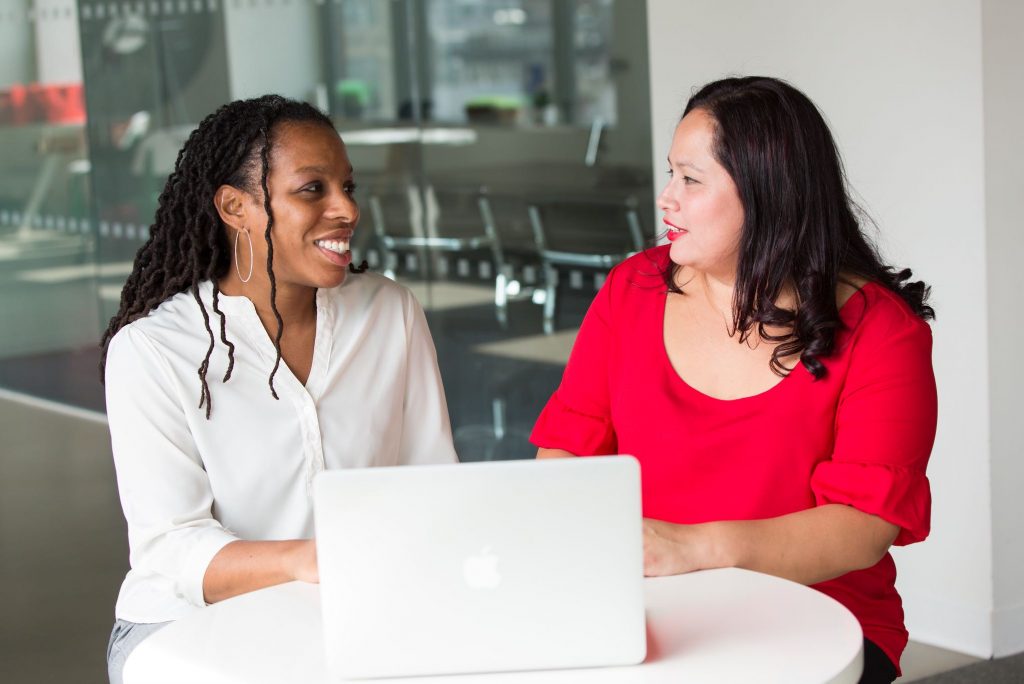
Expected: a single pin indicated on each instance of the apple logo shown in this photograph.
(481, 570)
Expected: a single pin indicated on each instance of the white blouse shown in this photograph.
(189, 485)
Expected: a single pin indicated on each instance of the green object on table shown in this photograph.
(357, 90)
(505, 102)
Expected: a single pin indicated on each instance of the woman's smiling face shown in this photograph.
(702, 207)
(315, 211)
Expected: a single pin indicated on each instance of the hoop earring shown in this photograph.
(248, 238)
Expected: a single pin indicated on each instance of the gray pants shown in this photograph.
(124, 637)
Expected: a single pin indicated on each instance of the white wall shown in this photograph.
(901, 84)
(1003, 60)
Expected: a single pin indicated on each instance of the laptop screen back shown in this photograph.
(481, 567)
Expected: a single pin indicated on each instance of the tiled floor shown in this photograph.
(922, 660)
(64, 552)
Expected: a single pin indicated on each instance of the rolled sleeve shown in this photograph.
(562, 427)
(163, 486)
(885, 429)
(900, 496)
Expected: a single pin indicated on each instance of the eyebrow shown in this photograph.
(685, 163)
(320, 169)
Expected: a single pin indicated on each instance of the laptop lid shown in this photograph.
(481, 567)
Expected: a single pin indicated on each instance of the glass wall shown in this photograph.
(47, 241)
(501, 147)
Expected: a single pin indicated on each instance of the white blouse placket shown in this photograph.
(303, 398)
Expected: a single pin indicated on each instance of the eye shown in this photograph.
(315, 187)
(689, 181)
(350, 188)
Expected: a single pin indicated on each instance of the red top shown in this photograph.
(860, 436)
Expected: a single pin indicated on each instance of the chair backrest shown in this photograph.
(456, 212)
(509, 217)
(396, 210)
(587, 226)
(414, 211)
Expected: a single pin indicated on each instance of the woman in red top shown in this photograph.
(772, 375)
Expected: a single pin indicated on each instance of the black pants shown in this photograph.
(878, 669)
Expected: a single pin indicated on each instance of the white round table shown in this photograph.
(725, 625)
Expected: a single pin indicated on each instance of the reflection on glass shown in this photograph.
(363, 61)
(592, 39)
(492, 61)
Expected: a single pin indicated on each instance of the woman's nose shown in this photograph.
(344, 207)
(665, 200)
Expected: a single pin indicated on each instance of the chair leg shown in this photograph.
(498, 413)
(501, 299)
(390, 264)
(551, 287)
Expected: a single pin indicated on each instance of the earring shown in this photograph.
(238, 270)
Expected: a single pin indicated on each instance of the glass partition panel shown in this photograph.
(47, 289)
(490, 61)
(501, 148)
(152, 71)
(547, 157)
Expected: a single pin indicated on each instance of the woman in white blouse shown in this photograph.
(248, 355)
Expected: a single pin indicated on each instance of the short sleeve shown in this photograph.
(577, 417)
(885, 425)
(164, 489)
(426, 426)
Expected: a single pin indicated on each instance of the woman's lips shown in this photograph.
(674, 231)
(338, 259)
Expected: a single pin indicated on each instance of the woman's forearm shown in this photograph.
(808, 546)
(244, 566)
(554, 453)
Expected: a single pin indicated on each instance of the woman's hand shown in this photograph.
(303, 562)
(671, 549)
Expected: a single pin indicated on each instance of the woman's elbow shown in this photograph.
(879, 535)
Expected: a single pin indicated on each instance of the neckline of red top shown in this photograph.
(846, 312)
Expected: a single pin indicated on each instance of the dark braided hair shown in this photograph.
(801, 229)
(187, 243)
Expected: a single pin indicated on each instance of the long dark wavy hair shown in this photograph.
(801, 229)
(187, 243)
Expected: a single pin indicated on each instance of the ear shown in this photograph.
(230, 204)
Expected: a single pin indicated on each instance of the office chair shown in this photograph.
(591, 233)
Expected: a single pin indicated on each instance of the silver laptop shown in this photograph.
(481, 567)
